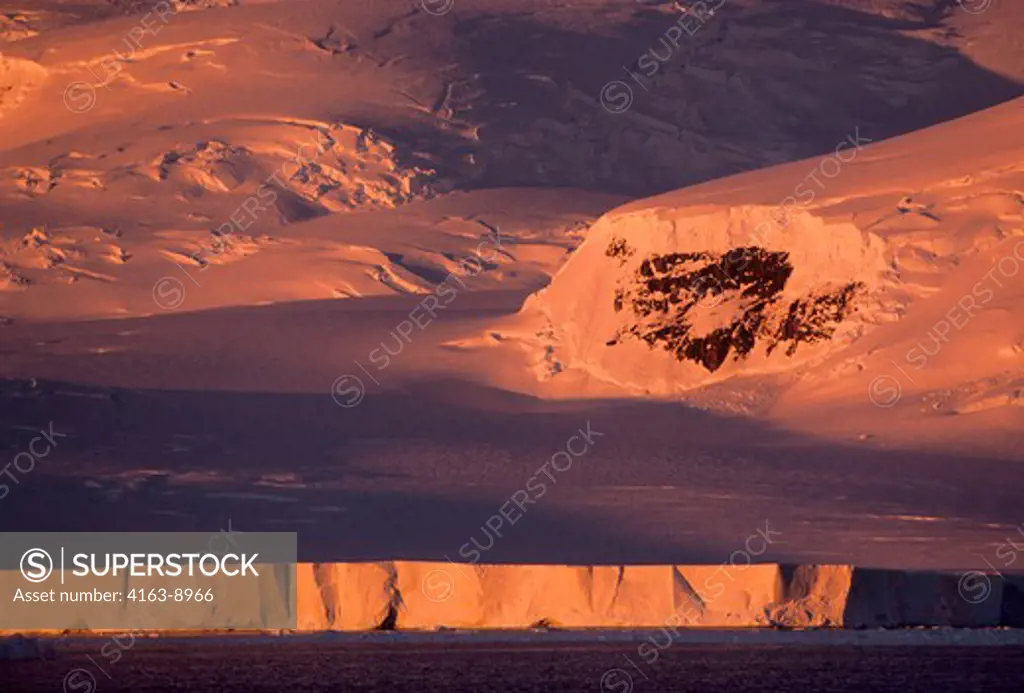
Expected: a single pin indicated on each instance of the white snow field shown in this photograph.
(551, 295)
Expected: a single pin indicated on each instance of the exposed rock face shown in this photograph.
(815, 317)
(662, 300)
(744, 286)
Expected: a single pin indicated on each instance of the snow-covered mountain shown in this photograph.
(320, 265)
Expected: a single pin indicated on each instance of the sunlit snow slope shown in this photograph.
(879, 285)
(809, 314)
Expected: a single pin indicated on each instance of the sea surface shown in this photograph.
(109, 665)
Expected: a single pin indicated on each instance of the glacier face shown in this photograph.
(428, 596)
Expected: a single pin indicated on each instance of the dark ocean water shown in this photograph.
(465, 668)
